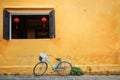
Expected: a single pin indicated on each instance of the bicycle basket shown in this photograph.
(40, 58)
(43, 57)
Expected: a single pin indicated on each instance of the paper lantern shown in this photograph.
(16, 20)
(44, 19)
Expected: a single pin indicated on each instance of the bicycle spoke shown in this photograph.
(64, 68)
(40, 68)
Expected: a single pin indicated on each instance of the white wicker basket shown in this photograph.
(44, 56)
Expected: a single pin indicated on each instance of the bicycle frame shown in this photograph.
(43, 64)
(52, 66)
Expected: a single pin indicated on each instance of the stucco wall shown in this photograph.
(87, 34)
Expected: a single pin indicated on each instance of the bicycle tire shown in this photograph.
(66, 65)
(40, 68)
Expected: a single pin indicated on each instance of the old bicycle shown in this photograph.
(63, 67)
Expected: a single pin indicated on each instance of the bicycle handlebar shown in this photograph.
(44, 53)
(48, 55)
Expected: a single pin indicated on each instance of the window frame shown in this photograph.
(9, 37)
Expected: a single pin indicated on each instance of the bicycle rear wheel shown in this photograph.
(64, 68)
(40, 68)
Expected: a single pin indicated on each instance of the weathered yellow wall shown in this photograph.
(87, 34)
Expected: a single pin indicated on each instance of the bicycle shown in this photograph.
(63, 67)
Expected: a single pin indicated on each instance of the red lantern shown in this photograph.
(44, 19)
(16, 20)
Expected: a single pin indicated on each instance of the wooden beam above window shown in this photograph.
(29, 8)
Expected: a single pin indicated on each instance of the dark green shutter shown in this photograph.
(6, 17)
(52, 24)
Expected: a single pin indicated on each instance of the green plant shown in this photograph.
(76, 71)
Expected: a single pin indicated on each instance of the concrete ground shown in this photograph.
(56, 77)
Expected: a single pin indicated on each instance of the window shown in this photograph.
(33, 25)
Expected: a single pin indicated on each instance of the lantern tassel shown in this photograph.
(43, 25)
(16, 27)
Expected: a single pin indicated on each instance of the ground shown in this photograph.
(56, 77)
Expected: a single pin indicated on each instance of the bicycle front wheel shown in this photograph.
(64, 68)
(40, 68)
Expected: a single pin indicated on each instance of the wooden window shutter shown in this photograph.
(6, 17)
(52, 24)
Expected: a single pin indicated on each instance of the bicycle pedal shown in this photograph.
(51, 72)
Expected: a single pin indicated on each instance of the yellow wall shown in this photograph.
(87, 34)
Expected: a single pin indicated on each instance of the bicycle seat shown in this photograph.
(58, 59)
